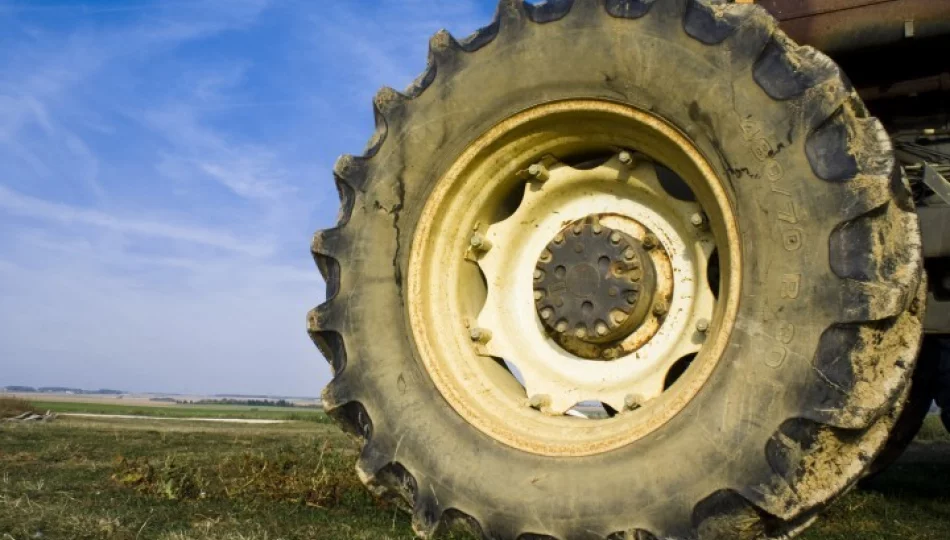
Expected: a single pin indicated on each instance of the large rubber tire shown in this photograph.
(919, 402)
(828, 325)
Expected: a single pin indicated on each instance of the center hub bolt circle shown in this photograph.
(593, 285)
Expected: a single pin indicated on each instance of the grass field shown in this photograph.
(131, 479)
(185, 411)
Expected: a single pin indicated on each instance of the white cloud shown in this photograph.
(31, 207)
(92, 315)
(163, 172)
(247, 170)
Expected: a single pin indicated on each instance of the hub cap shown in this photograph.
(593, 286)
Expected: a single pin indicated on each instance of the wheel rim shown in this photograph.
(499, 215)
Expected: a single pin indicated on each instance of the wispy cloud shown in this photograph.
(164, 165)
(247, 170)
(31, 207)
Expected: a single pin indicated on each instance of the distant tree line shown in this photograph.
(61, 390)
(244, 402)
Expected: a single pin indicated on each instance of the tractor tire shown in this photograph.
(919, 402)
(810, 349)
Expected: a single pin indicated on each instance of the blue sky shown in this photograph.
(162, 168)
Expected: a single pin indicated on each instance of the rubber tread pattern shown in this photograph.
(830, 148)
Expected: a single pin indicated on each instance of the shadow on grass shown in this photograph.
(922, 472)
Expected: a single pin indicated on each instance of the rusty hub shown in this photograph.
(593, 285)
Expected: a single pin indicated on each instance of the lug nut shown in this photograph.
(479, 243)
(538, 295)
(626, 158)
(660, 309)
(539, 401)
(629, 254)
(609, 354)
(698, 220)
(539, 171)
(480, 335)
(559, 238)
(538, 274)
(601, 329)
(547, 313)
(580, 333)
(632, 298)
(702, 325)
(545, 256)
(632, 401)
(649, 241)
(597, 228)
(561, 326)
(615, 238)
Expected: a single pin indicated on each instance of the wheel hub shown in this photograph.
(471, 289)
(593, 284)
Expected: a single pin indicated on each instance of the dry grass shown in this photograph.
(13, 406)
(141, 479)
(316, 477)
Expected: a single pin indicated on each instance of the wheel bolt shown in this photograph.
(580, 333)
(559, 238)
(538, 295)
(698, 220)
(479, 243)
(578, 229)
(626, 158)
(539, 171)
(629, 254)
(631, 299)
(539, 401)
(609, 354)
(561, 326)
(649, 241)
(702, 325)
(480, 335)
(615, 238)
(601, 329)
(538, 274)
(547, 313)
(632, 401)
(617, 317)
(660, 309)
(597, 228)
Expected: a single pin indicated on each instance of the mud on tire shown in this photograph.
(829, 323)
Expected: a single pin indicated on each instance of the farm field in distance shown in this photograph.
(179, 480)
(144, 407)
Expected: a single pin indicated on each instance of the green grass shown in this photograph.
(92, 478)
(140, 479)
(186, 411)
(933, 430)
